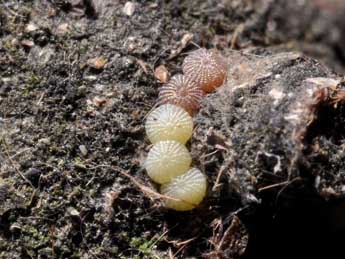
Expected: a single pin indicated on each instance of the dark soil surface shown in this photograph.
(76, 82)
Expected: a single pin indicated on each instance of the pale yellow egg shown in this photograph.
(169, 122)
(186, 191)
(166, 160)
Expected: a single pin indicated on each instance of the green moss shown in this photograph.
(32, 82)
(83, 49)
(145, 247)
(34, 238)
(79, 163)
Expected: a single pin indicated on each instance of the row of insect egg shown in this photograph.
(170, 126)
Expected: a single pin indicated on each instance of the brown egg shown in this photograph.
(206, 67)
(181, 91)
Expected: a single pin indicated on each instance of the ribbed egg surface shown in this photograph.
(169, 122)
(187, 190)
(183, 92)
(166, 160)
(206, 67)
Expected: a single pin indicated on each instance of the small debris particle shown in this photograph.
(14, 42)
(15, 227)
(143, 65)
(99, 87)
(162, 74)
(41, 55)
(129, 8)
(90, 78)
(51, 12)
(73, 212)
(31, 27)
(109, 200)
(186, 39)
(99, 101)
(276, 94)
(27, 43)
(136, 114)
(62, 29)
(45, 141)
(83, 150)
(96, 63)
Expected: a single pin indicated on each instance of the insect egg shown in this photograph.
(206, 67)
(166, 160)
(186, 191)
(182, 91)
(169, 122)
